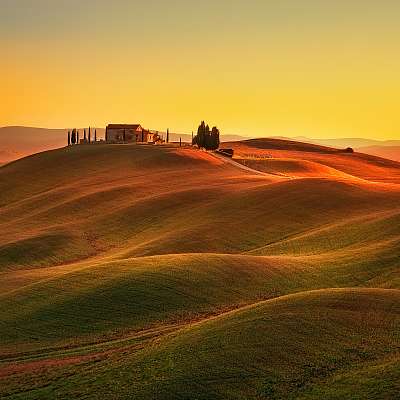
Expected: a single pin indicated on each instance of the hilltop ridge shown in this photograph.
(360, 165)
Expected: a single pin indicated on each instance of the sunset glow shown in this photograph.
(255, 68)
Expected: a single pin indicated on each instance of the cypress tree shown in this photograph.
(207, 138)
(203, 135)
(95, 135)
(73, 136)
(69, 138)
(167, 135)
(180, 141)
(84, 135)
(214, 138)
(89, 135)
(77, 137)
(200, 137)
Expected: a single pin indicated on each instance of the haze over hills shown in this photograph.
(139, 271)
(20, 141)
(346, 142)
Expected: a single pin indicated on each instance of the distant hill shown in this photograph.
(26, 139)
(389, 149)
(20, 141)
(390, 152)
(287, 144)
(347, 142)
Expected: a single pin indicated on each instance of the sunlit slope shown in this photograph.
(244, 220)
(369, 230)
(124, 201)
(279, 349)
(80, 201)
(310, 345)
(294, 168)
(100, 300)
(357, 164)
(106, 299)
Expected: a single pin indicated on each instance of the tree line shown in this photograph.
(73, 136)
(206, 138)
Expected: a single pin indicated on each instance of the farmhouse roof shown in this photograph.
(123, 126)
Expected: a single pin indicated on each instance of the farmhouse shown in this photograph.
(129, 133)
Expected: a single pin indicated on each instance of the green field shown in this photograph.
(158, 272)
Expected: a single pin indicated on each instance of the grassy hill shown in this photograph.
(310, 345)
(165, 272)
(359, 165)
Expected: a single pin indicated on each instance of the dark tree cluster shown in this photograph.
(206, 138)
(73, 137)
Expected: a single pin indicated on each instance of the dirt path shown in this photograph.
(241, 166)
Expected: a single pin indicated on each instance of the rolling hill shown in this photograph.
(21, 141)
(390, 152)
(389, 149)
(164, 272)
(364, 166)
(357, 143)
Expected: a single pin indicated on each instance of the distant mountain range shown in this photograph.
(20, 141)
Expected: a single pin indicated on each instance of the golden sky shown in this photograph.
(317, 68)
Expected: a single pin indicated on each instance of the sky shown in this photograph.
(313, 68)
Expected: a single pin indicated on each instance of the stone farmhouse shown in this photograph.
(129, 133)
